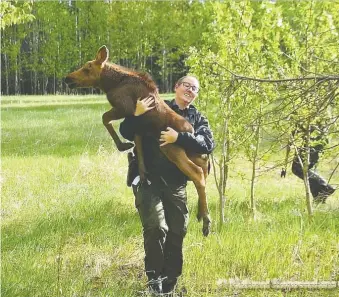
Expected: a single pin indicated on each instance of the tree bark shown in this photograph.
(254, 165)
(305, 171)
(7, 74)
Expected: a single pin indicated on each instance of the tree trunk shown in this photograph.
(221, 181)
(164, 71)
(35, 82)
(16, 80)
(254, 164)
(304, 163)
(46, 85)
(7, 74)
(222, 174)
(305, 171)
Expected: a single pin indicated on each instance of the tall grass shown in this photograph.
(70, 228)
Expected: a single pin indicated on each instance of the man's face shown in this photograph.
(186, 91)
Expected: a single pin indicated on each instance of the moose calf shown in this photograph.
(123, 87)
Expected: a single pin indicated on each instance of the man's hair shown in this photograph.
(180, 80)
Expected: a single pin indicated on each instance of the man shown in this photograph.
(320, 189)
(162, 204)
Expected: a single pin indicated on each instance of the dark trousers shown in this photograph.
(320, 189)
(164, 216)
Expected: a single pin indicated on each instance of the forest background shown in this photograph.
(44, 40)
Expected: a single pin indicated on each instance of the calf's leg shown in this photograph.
(107, 119)
(200, 160)
(178, 156)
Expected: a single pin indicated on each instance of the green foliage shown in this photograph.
(15, 12)
(262, 40)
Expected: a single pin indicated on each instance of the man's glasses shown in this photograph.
(189, 86)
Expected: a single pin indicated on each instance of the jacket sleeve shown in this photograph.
(201, 141)
(128, 127)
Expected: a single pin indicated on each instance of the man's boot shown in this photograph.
(168, 286)
(323, 194)
(155, 286)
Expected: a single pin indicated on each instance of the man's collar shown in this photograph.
(174, 105)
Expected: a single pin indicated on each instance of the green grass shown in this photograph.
(70, 228)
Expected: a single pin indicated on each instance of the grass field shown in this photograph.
(70, 228)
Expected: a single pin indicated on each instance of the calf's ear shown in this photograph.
(102, 56)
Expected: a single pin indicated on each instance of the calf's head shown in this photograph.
(89, 74)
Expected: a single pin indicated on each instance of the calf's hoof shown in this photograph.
(125, 146)
(206, 227)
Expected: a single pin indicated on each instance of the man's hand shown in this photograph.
(168, 136)
(144, 105)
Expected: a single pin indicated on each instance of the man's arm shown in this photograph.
(129, 125)
(201, 141)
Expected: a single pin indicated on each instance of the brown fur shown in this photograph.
(123, 88)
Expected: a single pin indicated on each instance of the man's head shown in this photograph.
(186, 90)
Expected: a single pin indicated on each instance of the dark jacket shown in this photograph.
(157, 165)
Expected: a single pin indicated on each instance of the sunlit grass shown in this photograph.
(70, 228)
